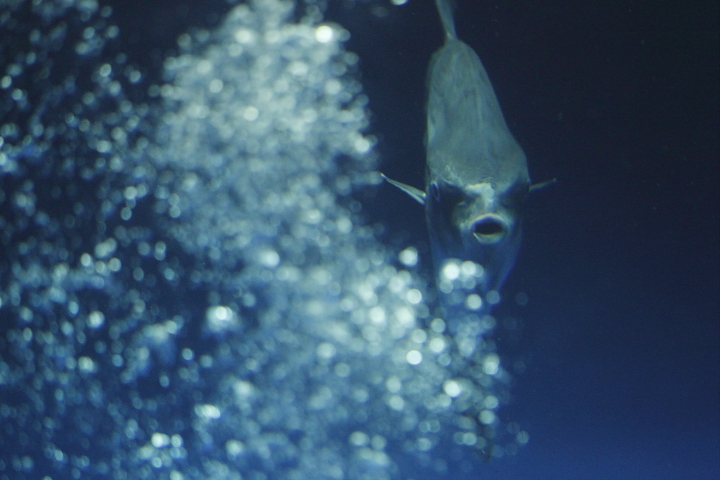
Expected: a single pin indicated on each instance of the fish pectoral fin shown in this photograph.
(415, 193)
(538, 186)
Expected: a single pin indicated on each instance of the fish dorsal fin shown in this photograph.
(415, 193)
(538, 186)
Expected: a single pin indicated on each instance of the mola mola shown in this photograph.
(476, 174)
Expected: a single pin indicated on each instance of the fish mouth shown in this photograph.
(489, 229)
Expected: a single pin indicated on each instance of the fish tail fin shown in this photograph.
(445, 8)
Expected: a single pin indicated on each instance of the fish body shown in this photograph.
(476, 173)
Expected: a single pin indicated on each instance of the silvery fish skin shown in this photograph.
(477, 177)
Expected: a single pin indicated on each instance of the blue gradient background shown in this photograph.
(620, 338)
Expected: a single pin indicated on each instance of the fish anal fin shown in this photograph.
(415, 193)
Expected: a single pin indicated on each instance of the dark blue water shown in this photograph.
(615, 356)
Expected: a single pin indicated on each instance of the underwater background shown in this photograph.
(201, 275)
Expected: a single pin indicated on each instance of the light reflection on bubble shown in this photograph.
(414, 357)
(409, 257)
(324, 33)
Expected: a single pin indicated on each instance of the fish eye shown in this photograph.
(488, 227)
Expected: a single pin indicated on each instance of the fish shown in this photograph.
(477, 175)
